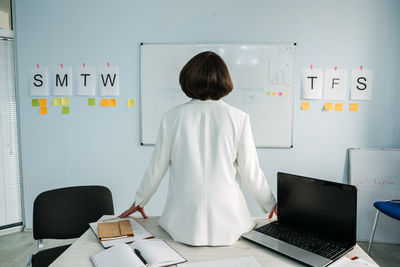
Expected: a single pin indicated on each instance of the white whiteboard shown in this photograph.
(376, 174)
(258, 71)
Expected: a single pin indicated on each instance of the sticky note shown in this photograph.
(35, 103)
(268, 93)
(91, 101)
(328, 106)
(286, 94)
(338, 107)
(43, 102)
(354, 107)
(280, 93)
(65, 110)
(104, 102)
(305, 105)
(65, 101)
(112, 102)
(43, 110)
(131, 103)
(56, 101)
(273, 93)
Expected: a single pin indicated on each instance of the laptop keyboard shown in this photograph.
(302, 240)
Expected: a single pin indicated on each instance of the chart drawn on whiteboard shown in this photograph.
(255, 69)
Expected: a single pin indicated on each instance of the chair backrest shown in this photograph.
(66, 212)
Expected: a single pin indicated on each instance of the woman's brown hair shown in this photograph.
(206, 76)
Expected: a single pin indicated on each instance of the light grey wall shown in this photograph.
(397, 114)
(96, 145)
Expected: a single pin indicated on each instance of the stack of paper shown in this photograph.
(238, 262)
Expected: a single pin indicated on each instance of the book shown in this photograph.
(155, 252)
(236, 262)
(139, 232)
(118, 229)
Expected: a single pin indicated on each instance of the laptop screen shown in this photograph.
(325, 207)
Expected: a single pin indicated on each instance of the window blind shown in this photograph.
(10, 195)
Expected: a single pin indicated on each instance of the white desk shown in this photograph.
(78, 253)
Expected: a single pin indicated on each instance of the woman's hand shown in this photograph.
(133, 209)
(274, 210)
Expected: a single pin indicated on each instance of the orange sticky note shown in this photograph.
(328, 106)
(305, 105)
(43, 102)
(112, 102)
(274, 94)
(43, 110)
(104, 102)
(354, 107)
(338, 107)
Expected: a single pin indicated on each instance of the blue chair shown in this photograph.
(388, 207)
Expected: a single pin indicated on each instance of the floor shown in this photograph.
(15, 249)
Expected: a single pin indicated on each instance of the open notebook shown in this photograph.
(155, 252)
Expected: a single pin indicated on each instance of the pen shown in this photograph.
(137, 252)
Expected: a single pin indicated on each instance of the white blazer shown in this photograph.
(208, 148)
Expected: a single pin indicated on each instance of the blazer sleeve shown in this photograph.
(159, 163)
(250, 172)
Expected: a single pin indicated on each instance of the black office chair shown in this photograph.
(65, 213)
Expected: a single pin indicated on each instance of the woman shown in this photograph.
(209, 148)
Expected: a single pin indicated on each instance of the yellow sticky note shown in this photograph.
(65, 101)
(328, 106)
(56, 101)
(131, 103)
(354, 107)
(112, 102)
(43, 110)
(104, 102)
(338, 107)
(43, 102)
(305, 105)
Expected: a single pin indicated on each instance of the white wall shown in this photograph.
(96, 145)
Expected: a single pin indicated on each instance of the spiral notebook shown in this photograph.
(139, 232)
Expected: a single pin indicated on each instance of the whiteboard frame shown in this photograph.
(271, 43)
(350, 182)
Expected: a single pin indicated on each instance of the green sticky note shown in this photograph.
(65, 110)
(91, 101)
(35, 103)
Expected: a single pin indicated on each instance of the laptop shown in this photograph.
(316, 220)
